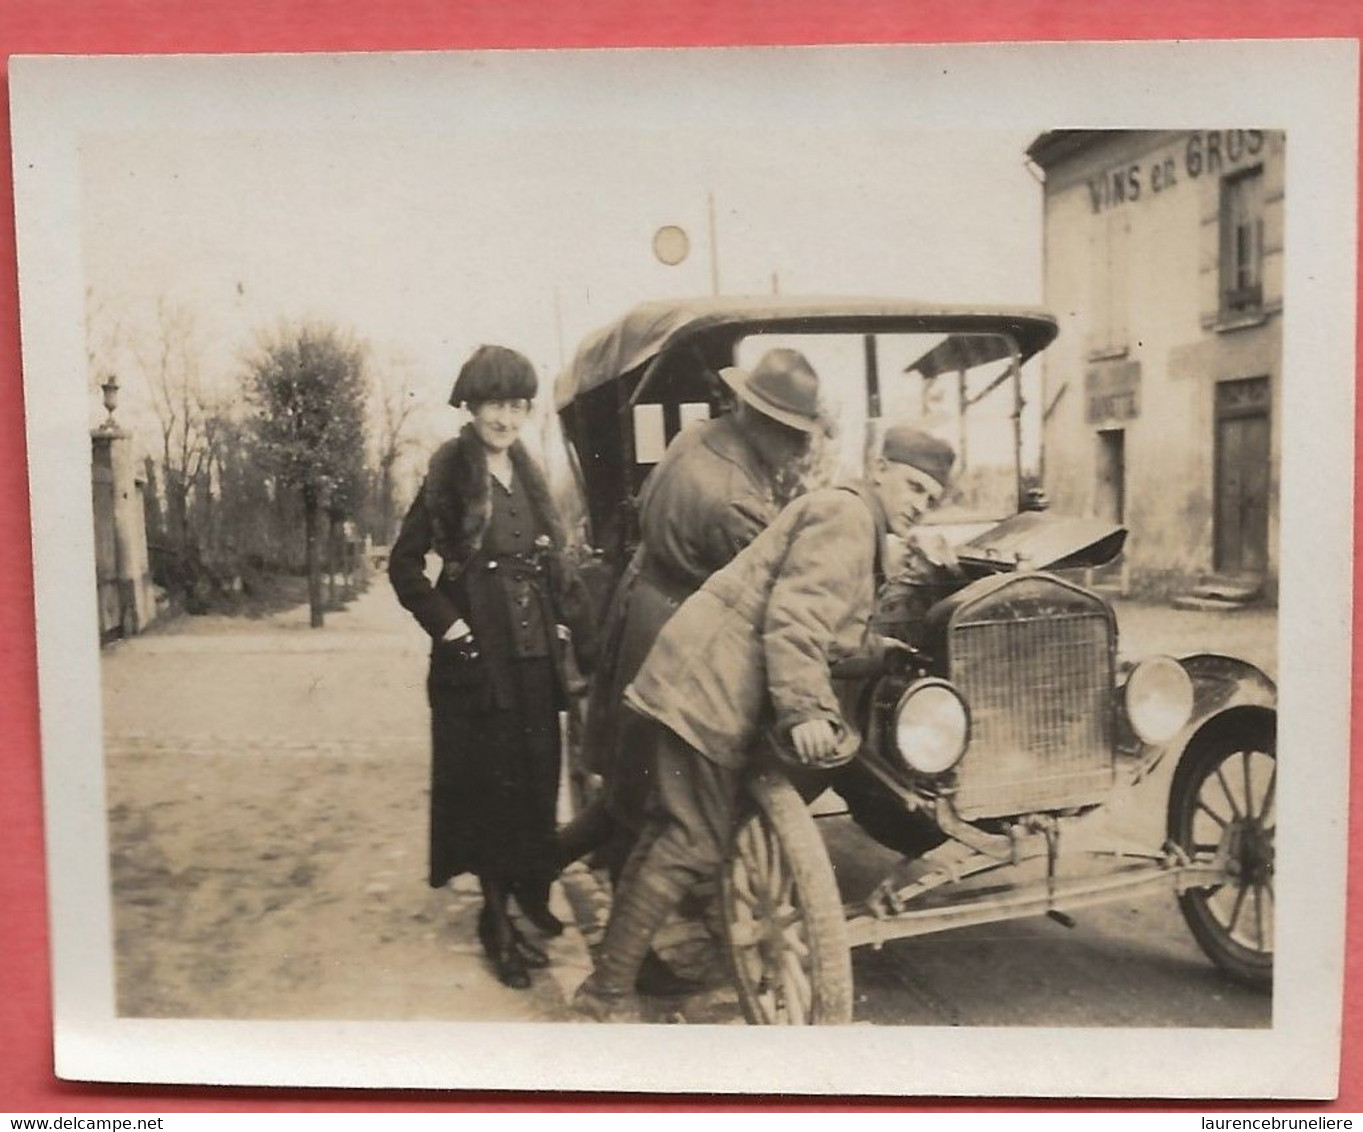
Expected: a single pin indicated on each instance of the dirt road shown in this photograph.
(267, 812)
(267, 809)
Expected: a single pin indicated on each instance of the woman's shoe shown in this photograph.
(498, 935)
(485, 933)
(546, 923)
(530, 955)
(510, 967)
(533, 900)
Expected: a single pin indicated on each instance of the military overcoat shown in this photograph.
(709, 497)
(752, 648)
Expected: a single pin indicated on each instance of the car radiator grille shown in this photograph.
(1040, 694)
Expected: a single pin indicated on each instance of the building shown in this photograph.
(1163, 256)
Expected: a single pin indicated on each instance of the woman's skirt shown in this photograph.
(494, 781)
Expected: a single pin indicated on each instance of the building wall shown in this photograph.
(1133, 268)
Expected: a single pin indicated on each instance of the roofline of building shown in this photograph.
(1054, 146)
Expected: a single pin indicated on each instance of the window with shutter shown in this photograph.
(1242, 243)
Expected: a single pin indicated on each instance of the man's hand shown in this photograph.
(933, 546)
(814, 741)
(883, 646)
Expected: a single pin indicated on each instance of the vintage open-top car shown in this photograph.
(1002, 720)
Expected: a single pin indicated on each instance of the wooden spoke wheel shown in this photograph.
(1223, 802)
(783, 919)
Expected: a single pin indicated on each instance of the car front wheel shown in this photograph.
(1222, 805)
(783, 919)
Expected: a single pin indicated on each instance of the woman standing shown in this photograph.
(496, 680)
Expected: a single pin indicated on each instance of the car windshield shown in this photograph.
(956, 387)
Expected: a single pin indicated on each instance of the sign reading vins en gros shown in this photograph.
(1112, 391)
(1205, 152)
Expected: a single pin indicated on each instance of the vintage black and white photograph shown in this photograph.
(548, 561)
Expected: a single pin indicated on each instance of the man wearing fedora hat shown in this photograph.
(749, 654)
(720, 483)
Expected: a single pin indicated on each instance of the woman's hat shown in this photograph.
(782, 386)
(494, 373)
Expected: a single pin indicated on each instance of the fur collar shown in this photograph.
(459, 497)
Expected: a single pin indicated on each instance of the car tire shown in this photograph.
(1223, 793)
(785, 933)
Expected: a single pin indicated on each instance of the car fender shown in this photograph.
(1227, 692)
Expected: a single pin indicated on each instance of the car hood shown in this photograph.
(1040, 540)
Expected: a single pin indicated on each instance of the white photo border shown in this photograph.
(1307, 88)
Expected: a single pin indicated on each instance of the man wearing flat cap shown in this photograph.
(720, 483)
(750, 653)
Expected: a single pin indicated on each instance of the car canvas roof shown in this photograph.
(653, 327)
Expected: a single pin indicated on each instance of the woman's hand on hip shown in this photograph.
(461, 636)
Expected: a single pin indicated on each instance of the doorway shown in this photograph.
(1242, 477)
(1109, 501)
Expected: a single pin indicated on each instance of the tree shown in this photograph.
(345, 501)
(192, 420)
(306, 385)
(394, 404)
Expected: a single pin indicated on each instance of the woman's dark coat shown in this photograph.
(488, 802)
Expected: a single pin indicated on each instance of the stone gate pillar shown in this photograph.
(127, 601)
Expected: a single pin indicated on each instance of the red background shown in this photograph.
(138, 26)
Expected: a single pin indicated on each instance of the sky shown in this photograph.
(429, 240)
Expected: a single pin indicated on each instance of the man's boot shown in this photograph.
(656, 977)
(641, 908)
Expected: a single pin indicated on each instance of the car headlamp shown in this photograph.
(931, 726)
(1159, 699)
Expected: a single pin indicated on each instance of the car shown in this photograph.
(1003, 719)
